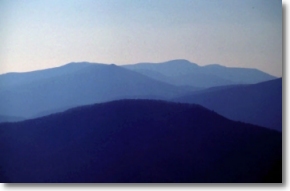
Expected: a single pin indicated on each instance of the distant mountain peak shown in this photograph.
(179, 62)
(215, 65)
(80, 63)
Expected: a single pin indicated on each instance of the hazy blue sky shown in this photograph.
(39, 34)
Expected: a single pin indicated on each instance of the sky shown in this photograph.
(38, 34)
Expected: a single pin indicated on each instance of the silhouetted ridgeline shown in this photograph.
(48, 91)
(138, 141)
(183, 72)
(10, 118)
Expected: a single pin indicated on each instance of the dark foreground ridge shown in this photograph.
(259, 104)
(138, 141)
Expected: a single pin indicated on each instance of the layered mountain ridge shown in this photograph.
(138, 141)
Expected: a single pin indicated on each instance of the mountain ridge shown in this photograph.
(115, 141)
(88, 84)
(213, 74)
(259, 104)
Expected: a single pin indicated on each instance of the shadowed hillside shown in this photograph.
(259, 104)
(10, 119)
(138, 141)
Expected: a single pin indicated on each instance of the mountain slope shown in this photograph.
(78, 84)
(138, 141)
(19, 79)
(183, 72)
(10, 119)
(259, 104)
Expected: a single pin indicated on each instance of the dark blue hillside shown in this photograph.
(138, 141)
(10, 119)
(259, 104)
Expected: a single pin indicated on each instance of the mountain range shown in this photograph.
(183, 72)
(170, 122)
(133, 141)
(43, 92)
